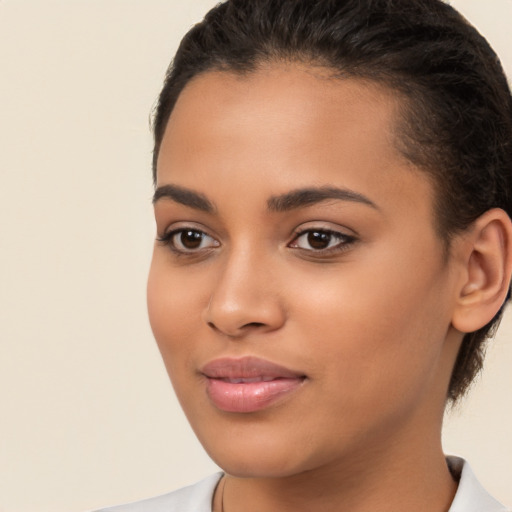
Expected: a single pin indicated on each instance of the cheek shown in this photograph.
(175, 302)
(378, 327)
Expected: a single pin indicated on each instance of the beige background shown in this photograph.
(87, 417)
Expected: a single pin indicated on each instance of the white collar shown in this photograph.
(470, 495)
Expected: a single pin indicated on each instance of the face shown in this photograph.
(298, 291)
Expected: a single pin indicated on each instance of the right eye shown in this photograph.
(187, 240)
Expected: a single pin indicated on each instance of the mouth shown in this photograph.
(241, 380)
(249, 384)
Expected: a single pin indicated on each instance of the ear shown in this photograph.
(487, 258)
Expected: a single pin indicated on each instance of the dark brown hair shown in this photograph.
(457, 109)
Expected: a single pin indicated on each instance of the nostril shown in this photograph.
(250, 324)
(253, 324)
(240, 330)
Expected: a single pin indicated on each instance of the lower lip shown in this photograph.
(249, 396)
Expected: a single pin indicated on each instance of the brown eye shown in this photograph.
(322, 240)
(319, 240)
(188, 240)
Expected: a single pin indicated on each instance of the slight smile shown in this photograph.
(248, 384)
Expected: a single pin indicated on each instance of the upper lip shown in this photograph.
(249, 367)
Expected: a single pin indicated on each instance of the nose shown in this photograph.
(245, 298)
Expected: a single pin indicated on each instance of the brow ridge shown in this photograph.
(184, 196)
(312, 195)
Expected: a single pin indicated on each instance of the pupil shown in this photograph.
(319, 240)
(191, 239)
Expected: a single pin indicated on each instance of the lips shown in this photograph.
(248, 384)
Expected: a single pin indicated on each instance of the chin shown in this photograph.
(257, 454)
(259, 466)
(252, 454)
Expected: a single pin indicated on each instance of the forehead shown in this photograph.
(283, 104)
(285, 125)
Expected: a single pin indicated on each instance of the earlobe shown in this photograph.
(488, 269)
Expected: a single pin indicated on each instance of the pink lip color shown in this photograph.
(248, 384)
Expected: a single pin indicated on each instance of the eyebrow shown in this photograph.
(309, 196)
(185, 197)
(281, 203)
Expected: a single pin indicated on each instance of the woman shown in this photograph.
(333, 188)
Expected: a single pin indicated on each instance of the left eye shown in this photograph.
(320, 240)
(189, 240)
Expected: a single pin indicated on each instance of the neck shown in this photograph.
(397, 480)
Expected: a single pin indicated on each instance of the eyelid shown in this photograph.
(182, 225)
(325, 225)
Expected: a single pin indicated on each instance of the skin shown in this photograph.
(369, 323)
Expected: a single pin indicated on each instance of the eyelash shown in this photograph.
(344, 241)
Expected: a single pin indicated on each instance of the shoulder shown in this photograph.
(471, 496)
(194, 498)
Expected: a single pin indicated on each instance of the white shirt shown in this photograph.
(470, 496)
